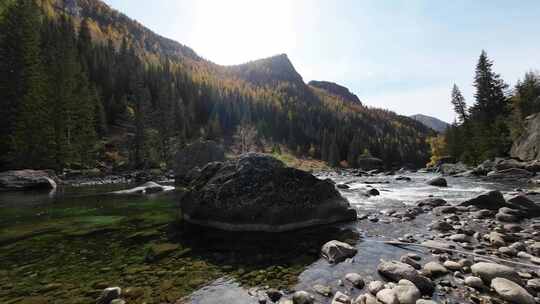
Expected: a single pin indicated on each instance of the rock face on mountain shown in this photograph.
(197, 154)
(256, 192)
(26, 180)
(431, 122)
(527, 147)
(337, 90)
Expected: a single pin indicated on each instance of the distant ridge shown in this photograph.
(337, 90)
(431, 122)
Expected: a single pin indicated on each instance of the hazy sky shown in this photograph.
(401, 55)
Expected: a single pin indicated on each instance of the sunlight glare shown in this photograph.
(231, 32)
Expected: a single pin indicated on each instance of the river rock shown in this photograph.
(17, 180)
(407, 292)
(434, 269)
(523, 203)
(387, 296)
(507, 217)
(256, 192)
(109, 294)
(196, 155)
(489, 271)
(451, 265)
(442, 226)
(366, 299)
(322, 290)
(375, 286)
(408, 260)
(534, 248)
(475, 282)
(341, 298)
(482, 214)
(453, 169)
(511, 291)
(438, 182)
(396, 271)
(509, 174)
(492, 200)
(336, 251)
(355, 279)
(496, 239)
(422, 301)
(302, 297)
(431, 202)
(534, 284)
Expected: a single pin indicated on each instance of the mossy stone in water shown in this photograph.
(156, 252)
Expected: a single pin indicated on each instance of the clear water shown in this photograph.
(64, 247)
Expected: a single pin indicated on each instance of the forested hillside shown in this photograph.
(82, 85)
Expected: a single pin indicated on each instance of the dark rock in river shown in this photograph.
(523, 203)
(438, 182)
(492, 200)
(431, 202)
(197, 154)
(26, 180)
(256, 192)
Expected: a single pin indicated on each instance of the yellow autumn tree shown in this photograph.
(438, 148)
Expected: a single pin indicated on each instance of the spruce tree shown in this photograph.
(460, 107)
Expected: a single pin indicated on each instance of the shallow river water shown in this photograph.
(65, 247)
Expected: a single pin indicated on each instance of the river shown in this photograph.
(65, 247)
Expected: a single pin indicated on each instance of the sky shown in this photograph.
(402, 55)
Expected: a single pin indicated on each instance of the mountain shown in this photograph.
(154, 95)
(431, 122)
(336, 89)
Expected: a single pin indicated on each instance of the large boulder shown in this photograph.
(492, 200)
(27, 180)
(369, 163)
(527, 147)
(256, 192)
(196, 155)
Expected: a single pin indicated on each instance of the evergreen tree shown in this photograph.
(490, 99)
(458, 101)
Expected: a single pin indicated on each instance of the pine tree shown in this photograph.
(491, 101)
(489, 110)
(460, 107)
